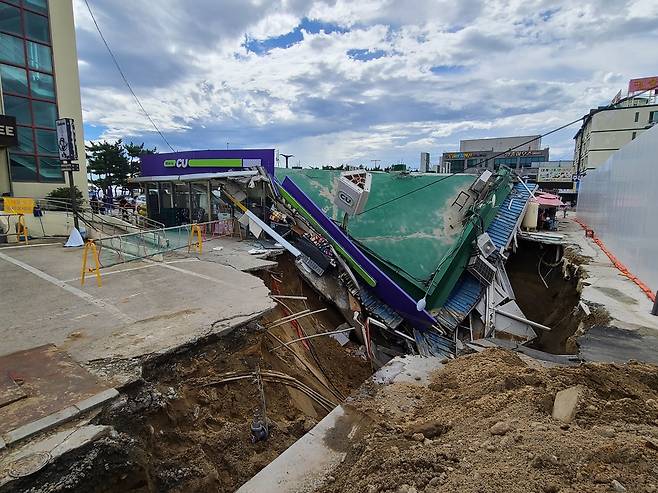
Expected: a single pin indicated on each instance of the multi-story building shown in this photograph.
(424, 162)
(522, 153)
(39, 83)
(607, 129)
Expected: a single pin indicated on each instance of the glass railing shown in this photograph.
(123, 248)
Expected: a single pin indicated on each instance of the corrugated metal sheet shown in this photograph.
(508, 216)
(431, 343)
(468, 290)
(461, 301)
(378, 308)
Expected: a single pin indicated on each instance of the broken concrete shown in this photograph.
(143, 307)
(566, 403)
(308, 464)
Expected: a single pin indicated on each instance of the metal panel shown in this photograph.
(468, 290)
(510, 213)
(617, 201)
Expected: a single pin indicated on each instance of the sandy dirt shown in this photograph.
(484, 425)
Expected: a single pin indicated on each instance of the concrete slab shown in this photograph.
(143, 307)
(605, 286)
(56, 390)
(305, 466)
(235, 253)
(13, 464)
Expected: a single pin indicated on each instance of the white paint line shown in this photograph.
(201, 276)
(30, 246)
(75, 291)
(103, 274)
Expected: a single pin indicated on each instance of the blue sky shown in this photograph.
(347, 82)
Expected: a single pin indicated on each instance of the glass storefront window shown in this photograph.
(23, 168)
(19, 108)
(42, 85)
(38, 57)
(14, 80)
(45, 114)
(10, 19)
(11, 49)
(36, 27)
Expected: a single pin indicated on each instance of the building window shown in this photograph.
(637, 116)
(653, 117)
(10, 19)
(28, 86)
(11, 49)
(634, 135)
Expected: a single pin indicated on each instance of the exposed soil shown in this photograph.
(185, 430)
(442, 437)
(554, 306)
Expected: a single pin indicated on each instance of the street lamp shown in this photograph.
(287, 156)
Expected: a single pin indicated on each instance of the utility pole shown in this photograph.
(287, 156)
(375, 161)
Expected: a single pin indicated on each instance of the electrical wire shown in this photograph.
(125, 79)
(562, 127)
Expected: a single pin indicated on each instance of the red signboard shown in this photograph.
(644, 84)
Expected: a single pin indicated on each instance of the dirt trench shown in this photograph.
(547, 294)
(184, 429)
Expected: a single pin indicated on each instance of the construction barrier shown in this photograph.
(90, 247)
(622, 268)
(198, 244)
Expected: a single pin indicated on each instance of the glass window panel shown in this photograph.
(25, 140)
(42, 85)
(20, 108)
(38, 57)
(36, 27)
(50, 169)
(10, 19)
(11, 49)
(13, 79)
(36, 5)
(23, 168)
(46, 142)
(45, 114)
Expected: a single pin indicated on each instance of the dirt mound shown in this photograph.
(484, 425)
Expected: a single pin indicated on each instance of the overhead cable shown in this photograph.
(125, 79)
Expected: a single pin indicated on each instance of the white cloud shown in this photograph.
(440, 71)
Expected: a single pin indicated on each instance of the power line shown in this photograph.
(499, 154)
(123, 76)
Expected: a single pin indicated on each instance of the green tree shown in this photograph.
(135, 152)
(107, 164)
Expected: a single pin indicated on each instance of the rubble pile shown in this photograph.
(485, 424)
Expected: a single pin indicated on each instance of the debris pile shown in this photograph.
(486, 423)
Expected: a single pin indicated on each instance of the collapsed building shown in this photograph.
(415, 262)
(420, 266)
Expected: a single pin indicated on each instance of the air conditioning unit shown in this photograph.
(352, 191)
(485, 245)
(481, 181)
(482, 269)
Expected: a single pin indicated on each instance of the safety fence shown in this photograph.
(616, 201)
(123, 248)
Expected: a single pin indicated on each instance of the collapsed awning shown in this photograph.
(193, 177)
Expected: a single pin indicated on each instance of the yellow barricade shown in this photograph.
(198, 244)
(90, 246)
